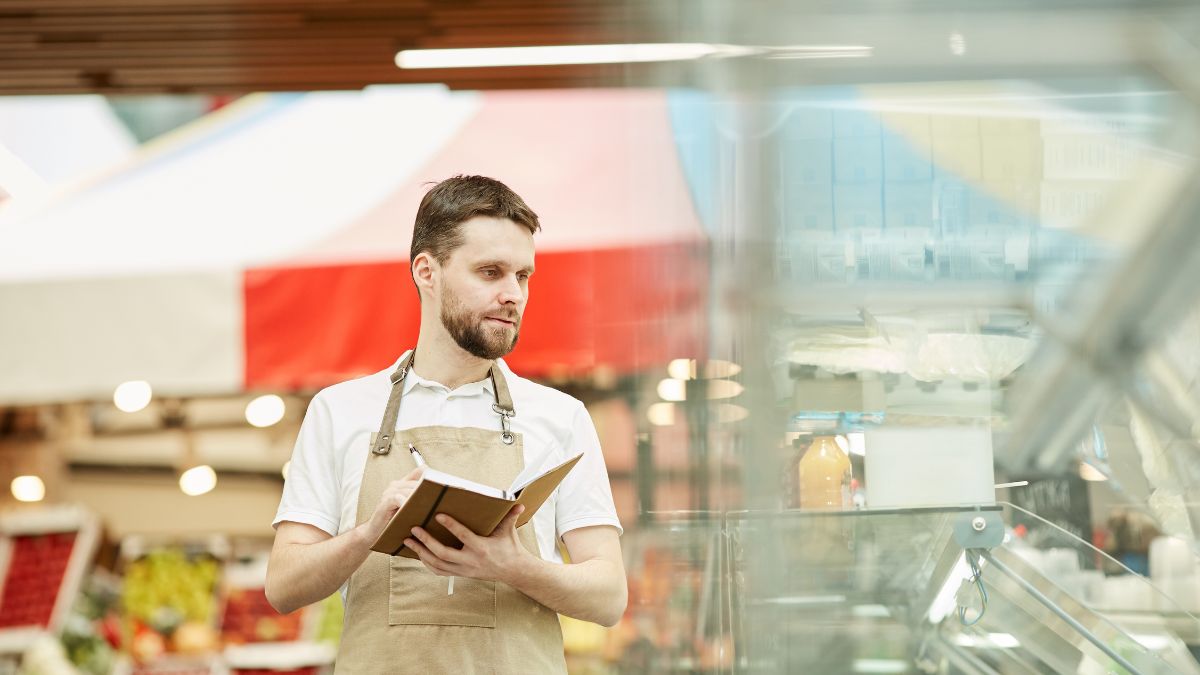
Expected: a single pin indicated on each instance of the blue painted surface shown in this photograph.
(847, 178)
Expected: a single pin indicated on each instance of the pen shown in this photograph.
(416, 455)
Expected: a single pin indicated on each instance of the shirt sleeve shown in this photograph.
(311, 494)
(585, 496)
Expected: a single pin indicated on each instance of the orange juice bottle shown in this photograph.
(824, 475)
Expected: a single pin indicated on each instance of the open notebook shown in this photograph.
(479, 507)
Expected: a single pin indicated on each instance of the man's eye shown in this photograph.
(491, 274)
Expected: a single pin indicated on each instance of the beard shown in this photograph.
(477, 338)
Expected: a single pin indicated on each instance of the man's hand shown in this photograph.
(492, 558)
(393, 497)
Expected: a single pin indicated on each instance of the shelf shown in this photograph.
(832, 561)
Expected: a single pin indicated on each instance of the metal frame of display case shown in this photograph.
(910, 592)
(1059, 612)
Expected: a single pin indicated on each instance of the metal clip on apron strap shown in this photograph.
(503, 405)
(383, 440)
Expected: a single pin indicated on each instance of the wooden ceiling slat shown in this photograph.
(47, 75)
(88, 7)
(550, 14)
(19, 42)
(362, 46)
(379, 58)
(399, 30)
(226, 61)
(193, 23)
(130, 6)
(205, 21)
(114, 46)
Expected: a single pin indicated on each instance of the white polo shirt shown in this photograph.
(331, 451)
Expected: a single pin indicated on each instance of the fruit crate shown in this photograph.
(280, 658)
(246, 615)
(169, 597)
(173, 665)
(44, 555)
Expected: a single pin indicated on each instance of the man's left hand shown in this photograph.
(492, 558)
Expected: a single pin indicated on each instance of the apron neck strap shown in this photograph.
(500, 385)
(383, 439)
(502, 407)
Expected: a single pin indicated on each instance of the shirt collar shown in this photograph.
(413, 380)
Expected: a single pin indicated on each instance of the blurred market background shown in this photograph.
(942, 255)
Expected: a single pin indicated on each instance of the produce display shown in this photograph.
(279, 658)
(168, 600)
(36, 570)
(174, 666)
(248, 617)
(91, 633)
(309, 670)
(63, 611)
(669, 625)
(330, 616)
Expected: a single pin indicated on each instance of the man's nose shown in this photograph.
(510, 292)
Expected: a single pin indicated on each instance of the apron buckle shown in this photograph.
(505, 414)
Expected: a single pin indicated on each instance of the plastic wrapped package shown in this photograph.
(928, 357)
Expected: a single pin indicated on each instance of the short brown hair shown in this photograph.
(458, 199)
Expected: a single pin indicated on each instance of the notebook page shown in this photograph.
(532, 471)
(443, 478)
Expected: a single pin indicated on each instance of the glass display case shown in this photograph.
(953, 257)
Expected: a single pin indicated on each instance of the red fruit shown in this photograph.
(110, 630)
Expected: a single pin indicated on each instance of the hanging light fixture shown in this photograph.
(195, 479)
(132, 396)
(672, 389)
(687, 369)
(661, 414)
(265, 410)
(198, 480)
(28, 489)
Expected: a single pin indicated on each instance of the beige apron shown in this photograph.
(399, 618)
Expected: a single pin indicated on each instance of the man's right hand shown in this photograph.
(393, 497)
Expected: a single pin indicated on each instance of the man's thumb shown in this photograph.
(510, 521)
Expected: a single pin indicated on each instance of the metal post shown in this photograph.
(1053, 607)
(696, 407)
(644, 477)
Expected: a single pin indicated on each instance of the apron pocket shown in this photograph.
(418, 597)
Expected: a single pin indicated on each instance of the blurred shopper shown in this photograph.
(1128, 541)
(469, 414)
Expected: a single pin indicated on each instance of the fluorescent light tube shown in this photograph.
(557, 55)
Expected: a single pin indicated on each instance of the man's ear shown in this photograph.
(424, 272)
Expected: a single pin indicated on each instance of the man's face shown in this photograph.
(486, 286)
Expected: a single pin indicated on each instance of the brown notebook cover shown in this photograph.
(479, 512)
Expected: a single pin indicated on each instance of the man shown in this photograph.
(493, 605)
